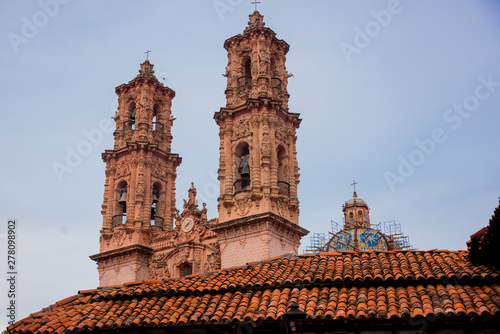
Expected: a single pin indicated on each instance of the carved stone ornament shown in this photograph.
(266, 149)
(184, 254)
(243, 243)
(158, 266)
(282, 131)
(122, 170)
(282, 206)
(213, 259)
(243, 203)
(241, 129)
(118, 238)
(243, 49)
(283, 243)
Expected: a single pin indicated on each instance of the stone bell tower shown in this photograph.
(139, 192)
(258, 172)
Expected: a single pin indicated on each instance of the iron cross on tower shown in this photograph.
(147, 53)
(354, 183)
(255, 3)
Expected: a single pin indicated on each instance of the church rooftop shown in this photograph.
(336, 286)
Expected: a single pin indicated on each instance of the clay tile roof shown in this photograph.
(337, 286)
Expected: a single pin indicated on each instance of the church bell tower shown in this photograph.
(139, 192)
(258, 173)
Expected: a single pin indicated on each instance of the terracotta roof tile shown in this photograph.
(348, 285)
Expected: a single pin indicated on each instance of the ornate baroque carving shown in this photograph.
(158, 266)
(282, 206)
(241, 129)
(243, 203)
(118, 238)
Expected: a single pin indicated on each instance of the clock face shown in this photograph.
(187, 224)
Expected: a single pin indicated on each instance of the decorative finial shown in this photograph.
(354, 184)
(255, 3)
(147, 54)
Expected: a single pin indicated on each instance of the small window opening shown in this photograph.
(186, 270)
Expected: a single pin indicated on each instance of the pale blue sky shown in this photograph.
(363, 111)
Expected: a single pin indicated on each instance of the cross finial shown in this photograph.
(255, 3)
(354, 183)
(147, 54)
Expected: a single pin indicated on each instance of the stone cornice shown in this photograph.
(149, 80)
(121, 251)
(257, 218)
(225, 112)
(228, 43)
(141, 145)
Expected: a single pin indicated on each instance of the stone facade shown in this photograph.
(258, 170)
(144, 236)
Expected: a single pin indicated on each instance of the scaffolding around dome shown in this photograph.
(381, 236)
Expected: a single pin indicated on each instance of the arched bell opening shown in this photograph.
(121, 193)
(156, 198)
(283, 184)
(129, 124)
(155, 125)
(242, 163)
(246, 79)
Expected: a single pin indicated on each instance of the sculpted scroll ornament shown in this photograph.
(243, 203)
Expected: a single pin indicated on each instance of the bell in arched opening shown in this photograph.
(156, 195)
(244, 168)
(123, 199)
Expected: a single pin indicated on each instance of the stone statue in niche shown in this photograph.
(263, 62)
